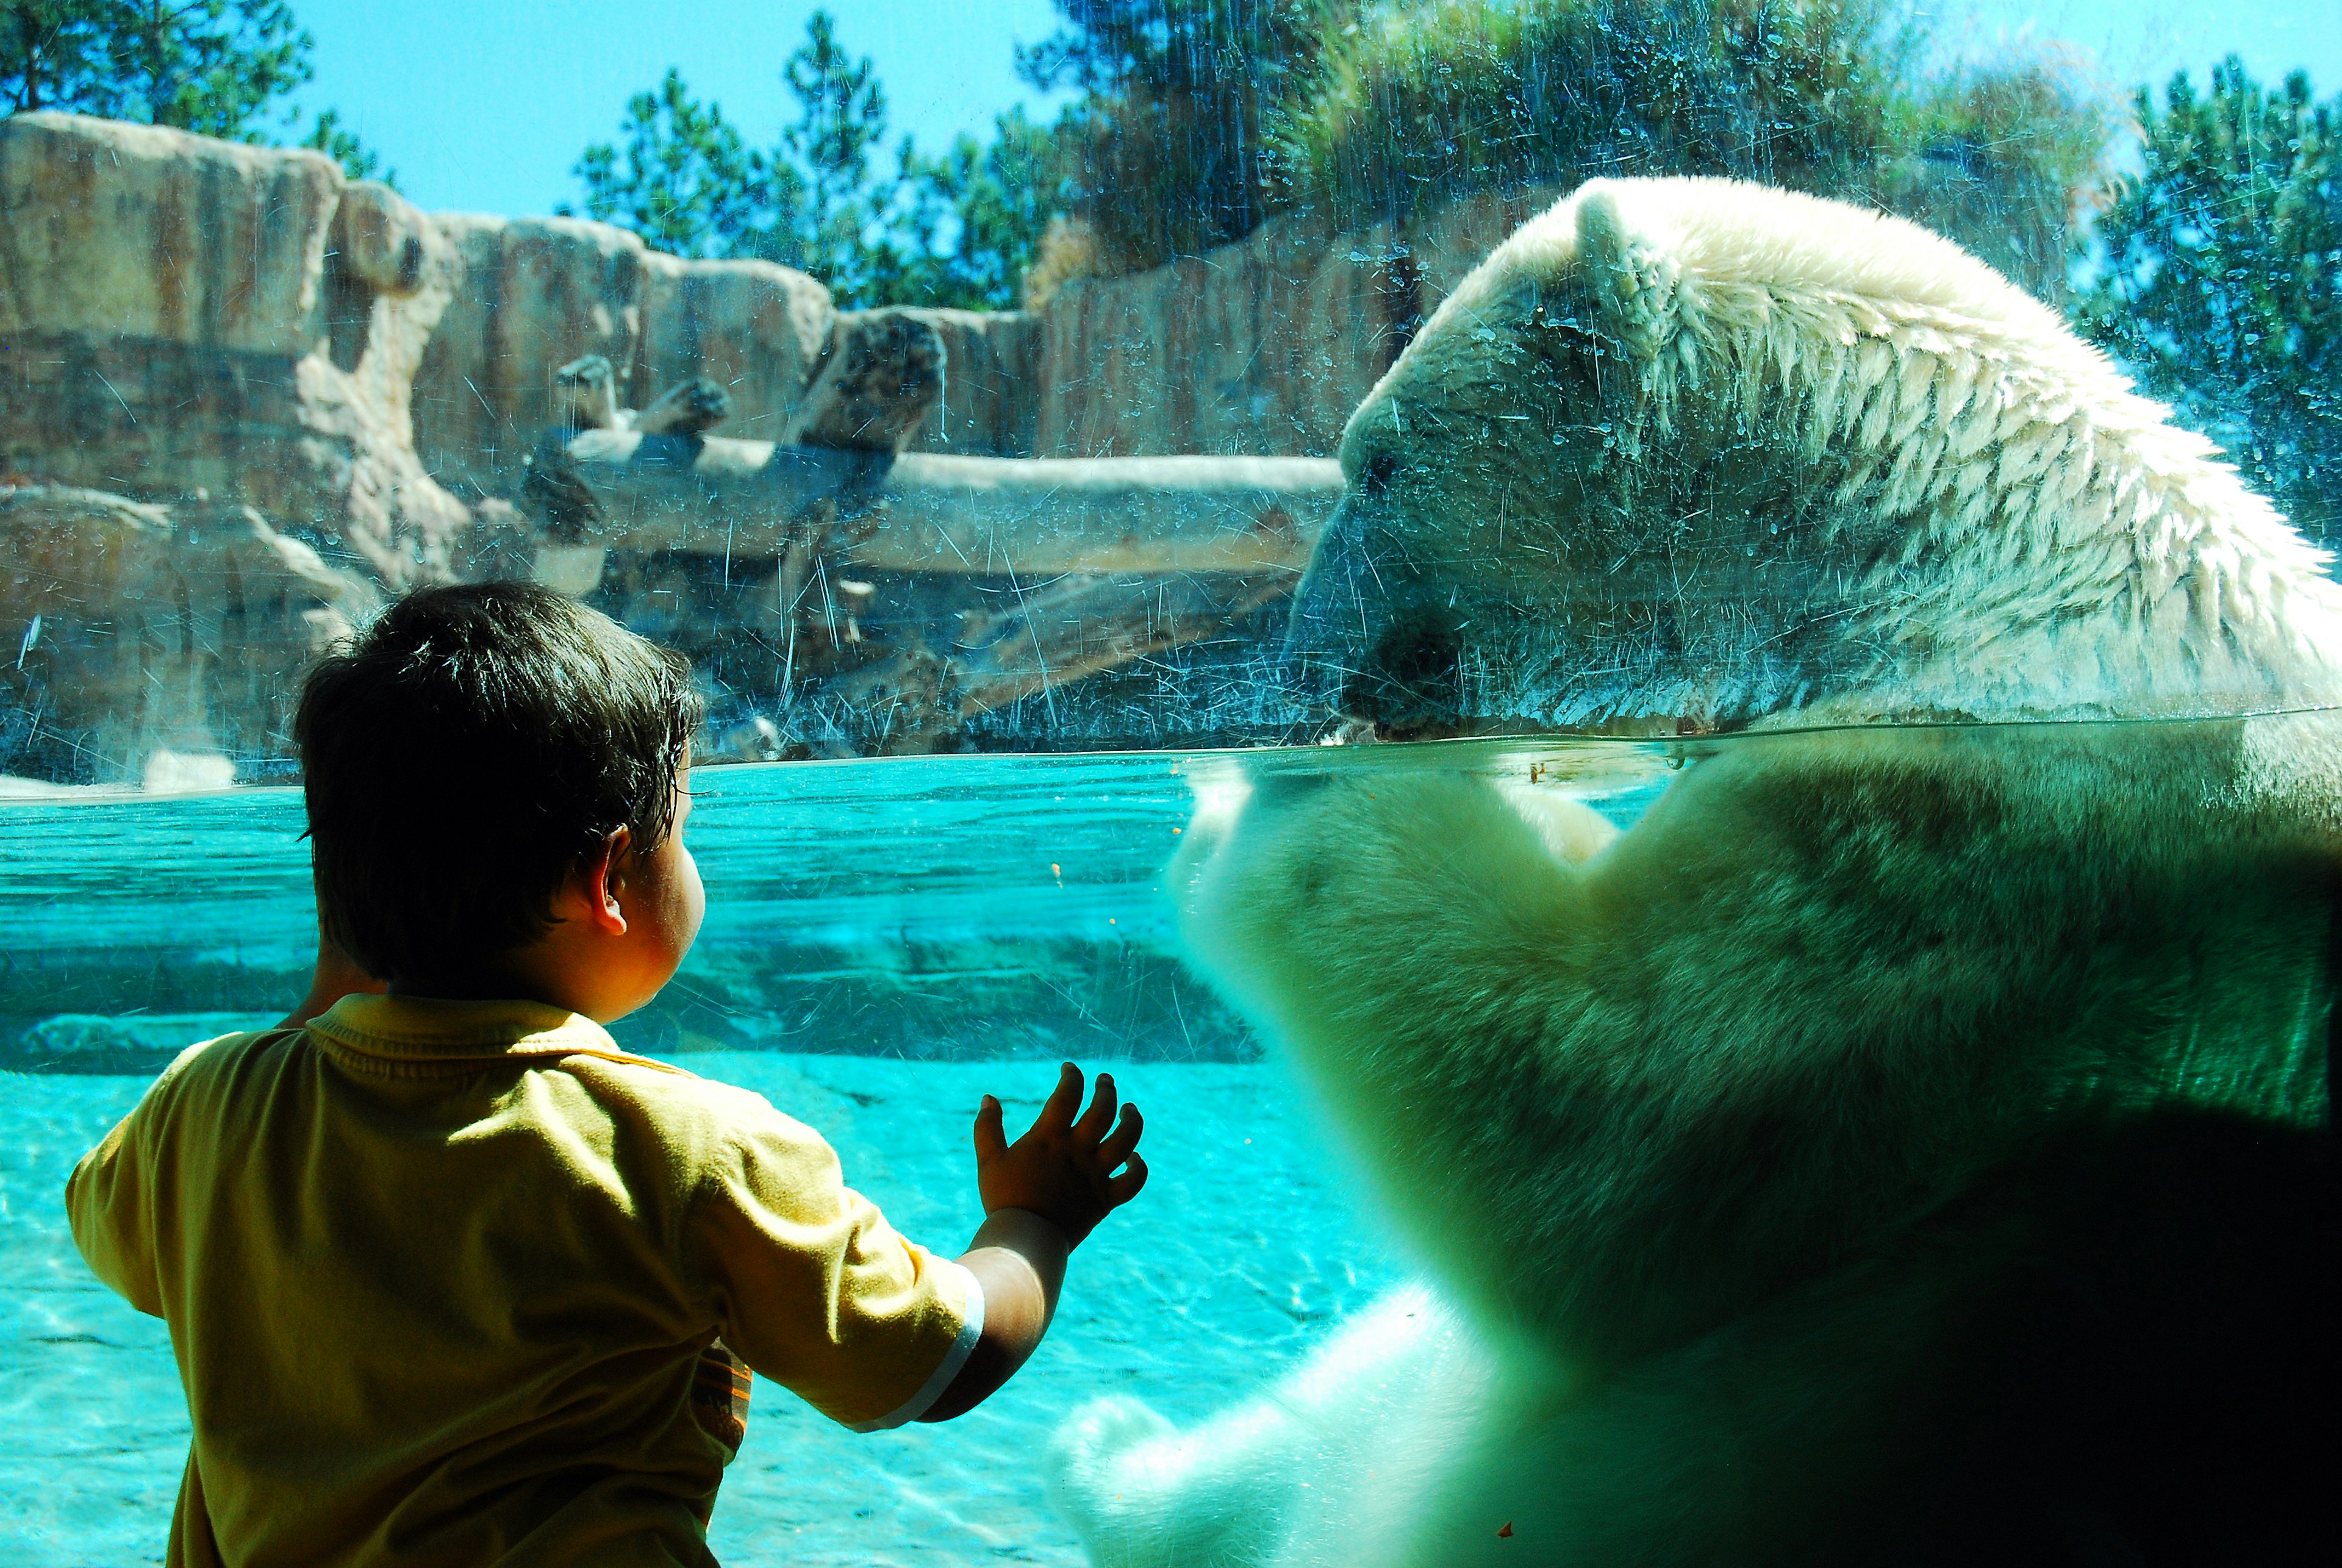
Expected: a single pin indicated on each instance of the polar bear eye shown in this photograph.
(1378, 473)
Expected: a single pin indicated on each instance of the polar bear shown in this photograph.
(1905, 1142)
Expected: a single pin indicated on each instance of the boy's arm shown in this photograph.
(813, 1288)
(108, 1199)
(105, 1201)
(1018, 1260)
(1042, 1195)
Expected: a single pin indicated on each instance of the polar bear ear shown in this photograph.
(1630, 272)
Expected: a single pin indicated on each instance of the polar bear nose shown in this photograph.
(1411, 682)
(1364, 635)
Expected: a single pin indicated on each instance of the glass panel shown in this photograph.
(1359, 435)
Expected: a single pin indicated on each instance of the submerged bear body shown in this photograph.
(1905, 1143)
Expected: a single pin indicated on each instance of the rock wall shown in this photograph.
(153, 645)
(538, 293)
(1265, 346)
(194, 320)
(991, 405)
(1262, 348)
(241, 397)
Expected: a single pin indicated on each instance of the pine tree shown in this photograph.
(879, 225)
(52, 54)
(1171, 150)
(328, 136)
(2219, 280)
(681, 175)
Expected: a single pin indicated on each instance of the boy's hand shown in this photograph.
(1063, 1169)
(1042, 1195)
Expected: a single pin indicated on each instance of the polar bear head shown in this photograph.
(1698, 452)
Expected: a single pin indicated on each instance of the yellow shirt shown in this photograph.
(440, 1277)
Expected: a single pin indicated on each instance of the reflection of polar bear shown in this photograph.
(1899, 1146)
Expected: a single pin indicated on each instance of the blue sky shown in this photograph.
(483, 105)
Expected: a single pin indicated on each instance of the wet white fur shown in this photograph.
(2061, 539)
(2005, 530)
(1531, 1031)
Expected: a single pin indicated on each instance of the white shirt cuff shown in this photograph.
(971, 1329)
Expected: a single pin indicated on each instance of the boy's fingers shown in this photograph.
(1120, 1190)
(1100, 1118)
(991, 1142)
(1057, 1115)
(1120, 1142)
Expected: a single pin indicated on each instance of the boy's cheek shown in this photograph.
(695, 906)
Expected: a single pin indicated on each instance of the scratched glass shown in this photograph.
(1269, 400)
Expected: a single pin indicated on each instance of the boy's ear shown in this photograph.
(598, 881)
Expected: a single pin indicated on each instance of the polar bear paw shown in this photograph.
(1141, 1496)
(1098, 1438)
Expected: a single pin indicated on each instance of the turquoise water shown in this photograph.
(885, 942)
(1196, 1290)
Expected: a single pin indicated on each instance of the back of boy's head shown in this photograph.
(472, 747)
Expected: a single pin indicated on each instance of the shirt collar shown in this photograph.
(429, 1029)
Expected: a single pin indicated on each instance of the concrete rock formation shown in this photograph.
(194, 319)
(1263, 347)
(154, 644)
(221, 326)
(540, 294)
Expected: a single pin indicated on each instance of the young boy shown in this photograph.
(450, 1277)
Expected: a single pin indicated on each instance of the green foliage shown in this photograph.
(878, 228)
(1201, 117)
(338, 141)
(680, 176)
(993, 200)
(2027, 116)
(212, 66)
(2220, 281)
(1171, 150)
(1431, 99)
(52, 53)
(830, 217)
(207, 65)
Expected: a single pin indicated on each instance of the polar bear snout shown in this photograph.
(1410, 683)
(1369, 635)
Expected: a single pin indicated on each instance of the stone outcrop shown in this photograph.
(991, 405)
(539, 293)
(1263, 346)
(755, 328)
(190, 319)
(154, 644)
(245, 397)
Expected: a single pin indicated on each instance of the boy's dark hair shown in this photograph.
(463, 756)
